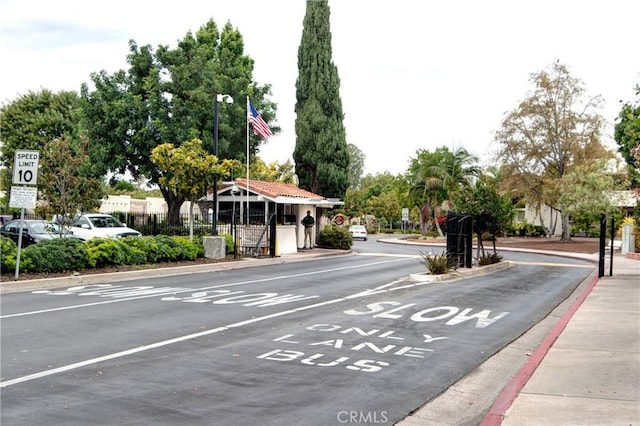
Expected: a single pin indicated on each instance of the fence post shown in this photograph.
(155, 224)
(603, 233)
(613, 234)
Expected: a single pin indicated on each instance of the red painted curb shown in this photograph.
(496, 413)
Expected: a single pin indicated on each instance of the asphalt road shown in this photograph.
(338, 340)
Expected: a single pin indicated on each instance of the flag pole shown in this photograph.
(248, 112)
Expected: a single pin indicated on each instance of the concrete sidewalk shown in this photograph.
(587, 370)
(579, 366)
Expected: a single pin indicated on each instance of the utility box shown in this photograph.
(628, 239)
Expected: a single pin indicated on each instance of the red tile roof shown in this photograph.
(276, 189)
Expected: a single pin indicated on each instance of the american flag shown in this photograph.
(258, 123)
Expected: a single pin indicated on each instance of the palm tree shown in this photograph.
(459, 169)
(437, 176)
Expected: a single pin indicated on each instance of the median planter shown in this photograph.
(459, 273)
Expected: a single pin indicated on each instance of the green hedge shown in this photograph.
(70, 254)
(56, 255)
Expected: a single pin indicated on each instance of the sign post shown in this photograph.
(405, 219)
(25, 172)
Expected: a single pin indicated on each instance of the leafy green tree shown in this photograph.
(374, 190)
(627, 136)
(321, 154)
(34, 120)
(272, 172)
(355, 203)
(385, 207)
(356, 165)
(553, 131)
(64, 188)
(492, 212)
(586, 193)
(168, 96)
(188, 170)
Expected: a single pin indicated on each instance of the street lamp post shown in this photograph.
(219, 98)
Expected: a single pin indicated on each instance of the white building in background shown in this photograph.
(552, 219)
(150, 205)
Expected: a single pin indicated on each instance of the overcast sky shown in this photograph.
(415, 74)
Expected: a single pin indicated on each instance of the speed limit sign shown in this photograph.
(25, 167)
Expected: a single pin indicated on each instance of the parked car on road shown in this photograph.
(5, 218)
(99, 225)
(358, 232)
(33, 231)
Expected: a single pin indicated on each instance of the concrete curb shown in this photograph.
(460, 273)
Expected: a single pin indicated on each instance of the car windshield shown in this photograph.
(105, 222)
(40, 228)
(56, 229)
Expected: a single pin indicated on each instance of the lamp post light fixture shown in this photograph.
(219, 98)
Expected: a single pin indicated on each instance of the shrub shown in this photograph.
(56, 255)
(8, 251)
(489, 260)
(169, 250)
(229, 248)
(113, 251)
(336, 237)
(194, 249)
(146, 245)
(437, 264)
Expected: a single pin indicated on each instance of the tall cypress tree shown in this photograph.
(321, 153)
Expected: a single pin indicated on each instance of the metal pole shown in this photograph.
(601, 252)
(613, 234)
(215, 152)
(17, 273)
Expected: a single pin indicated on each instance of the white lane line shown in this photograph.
(413, 256)
(189, 290)
(143, 348)
(569, 265)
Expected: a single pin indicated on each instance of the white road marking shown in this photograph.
(143, 348)
(188, 290)
(570, 265)
(362, 294)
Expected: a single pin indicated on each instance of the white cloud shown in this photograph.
(414, 74)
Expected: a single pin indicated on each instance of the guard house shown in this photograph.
(265, 216)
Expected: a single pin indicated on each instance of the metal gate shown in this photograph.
(460, 239)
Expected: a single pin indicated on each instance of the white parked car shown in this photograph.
(358, 232)
(92, 225)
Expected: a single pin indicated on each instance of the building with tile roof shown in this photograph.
(256, 203)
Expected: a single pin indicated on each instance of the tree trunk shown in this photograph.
(566, 231)
(436, 214)
(425, 214)
(191, 220)
(554, 220)
(546, 230)
(438, 227)
(174, 203)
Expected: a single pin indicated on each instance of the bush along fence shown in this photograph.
(71, 254)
